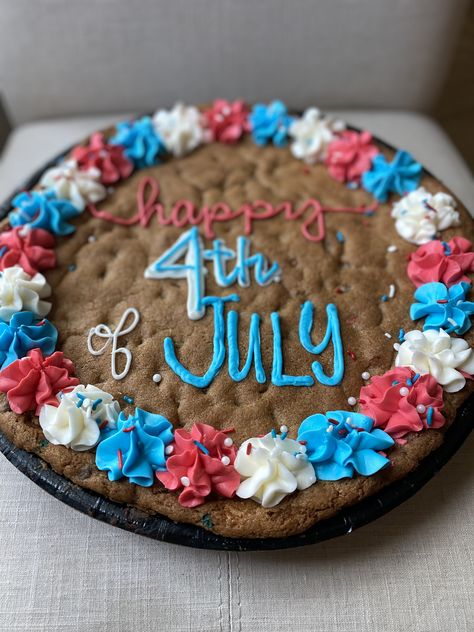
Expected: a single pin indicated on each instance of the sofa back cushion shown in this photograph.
(64, 57)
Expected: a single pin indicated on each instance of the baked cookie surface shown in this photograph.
(359, 265)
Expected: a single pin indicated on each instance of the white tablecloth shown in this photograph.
(61, 571)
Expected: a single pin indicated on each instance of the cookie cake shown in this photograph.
(234, 316)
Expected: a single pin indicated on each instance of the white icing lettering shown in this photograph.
(104, 331)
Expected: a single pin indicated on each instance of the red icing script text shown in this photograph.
(185, 213)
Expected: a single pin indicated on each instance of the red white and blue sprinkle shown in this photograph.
(429, 416)
(202, 447)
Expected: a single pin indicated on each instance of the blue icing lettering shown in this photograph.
(189, 245)
(219, 255)
(190, 248)
(254, 353)
(278, 377)
(264, 275)
(218, 356)
(254, 350)
(333, 332)
(245, 261)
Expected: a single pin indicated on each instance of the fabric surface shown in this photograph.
(89, 56)
(411, 570)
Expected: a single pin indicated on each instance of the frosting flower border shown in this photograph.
(137, 144)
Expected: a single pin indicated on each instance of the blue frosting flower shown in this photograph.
(43, 210)
(270, 123)
(136, 448)
(341, 443)
(443, 307)
(24, 332)
(401, 176)
(141, 143)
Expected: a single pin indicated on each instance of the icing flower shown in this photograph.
(227, 121)
(433, 351)
(350, 155)
(108, 159)
(399, 176)
(312, 134)
(420, 215)
(35, 380)
(68, 182)
(76, 423)
(98, 404)
(23, 333)
(32, 250)
(180, 128)
(21, 292)
(402, 401)
(443, 308)
(272, 467)
(69, 426)
(270, 123)
(43, 210)
(139, 141)
(447, 262)
(201, 462)
(340, 443)
(136, 448)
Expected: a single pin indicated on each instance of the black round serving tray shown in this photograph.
(161, 528)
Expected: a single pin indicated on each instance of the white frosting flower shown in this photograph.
(272, 468)
(97, 403)
(69, 425)
(312, 134)
(76, 422)
(420, 215)
(180, 129)
(435, 351)
(21, 292)
(445, 206)
(70, 183)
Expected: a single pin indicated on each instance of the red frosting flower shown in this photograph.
(441, 261)
(401, 401)
(34, 380)
(31, 249)
(227, 121)
(202, 462)
(350, 155)
(109, 159)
